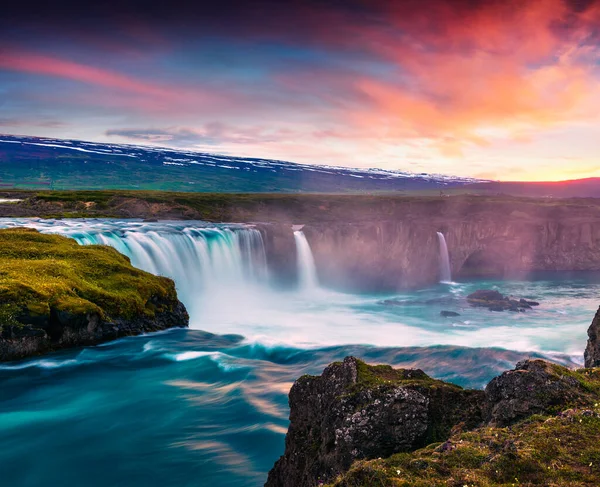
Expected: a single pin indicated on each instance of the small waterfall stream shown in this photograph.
(307, 270)
(445, 272)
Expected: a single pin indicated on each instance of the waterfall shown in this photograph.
(307, 270)
(199, 257)
(445, 272)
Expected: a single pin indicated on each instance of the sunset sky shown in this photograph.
(505, 89)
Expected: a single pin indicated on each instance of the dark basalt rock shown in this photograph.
(496, 301)
(533, 387)
(354, 411)
(449, 314)
(592, 351)
(63, 329)
(419, 302)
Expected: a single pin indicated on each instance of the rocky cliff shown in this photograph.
(592, 351)
(398, 248)
(354, 412)
(56, 294)
(357, 411)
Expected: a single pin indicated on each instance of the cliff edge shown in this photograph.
(592, 351)
(361, 425)
(55, 293)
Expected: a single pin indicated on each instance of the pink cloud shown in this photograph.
(50, 66)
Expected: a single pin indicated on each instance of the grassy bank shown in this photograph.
(44, 273)
(246, 207)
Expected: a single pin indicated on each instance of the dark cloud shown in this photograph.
(290, 20)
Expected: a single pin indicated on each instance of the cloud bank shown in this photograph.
(506, 89)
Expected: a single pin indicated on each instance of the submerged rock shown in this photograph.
(592, 351)
(496, 301)
(55, 293)
(449, 314)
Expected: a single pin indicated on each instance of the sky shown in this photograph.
(506, 89)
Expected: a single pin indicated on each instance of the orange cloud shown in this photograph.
(498, 72)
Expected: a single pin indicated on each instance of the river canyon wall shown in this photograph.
(382, 253)
(371, 242)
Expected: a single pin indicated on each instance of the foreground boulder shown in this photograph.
(355, 411)
(592, 351)
(55, 293)
(536, 387)
(542, 451)
(433, 433)
(496, 301)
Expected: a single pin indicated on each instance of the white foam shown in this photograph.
(44, 364)
(191, 355)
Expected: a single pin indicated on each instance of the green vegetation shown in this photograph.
(370, 376)
(307, 207)
(550, 450)
(40, 273)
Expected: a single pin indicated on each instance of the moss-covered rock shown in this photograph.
(360, 426)
(55, 293)
(355, 411)
(538, 387)
(551, 451)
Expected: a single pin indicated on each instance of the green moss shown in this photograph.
(550, 451)
(43, 272)
(588, 378)
(370, 376)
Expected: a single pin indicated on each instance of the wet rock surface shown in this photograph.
(63, 329)
(449, 314)
(495, 301)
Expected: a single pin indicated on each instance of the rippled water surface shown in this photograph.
(208, 406)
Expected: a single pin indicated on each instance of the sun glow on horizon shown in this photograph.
(484, 89)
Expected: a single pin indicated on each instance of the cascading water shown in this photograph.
(201, 258)
(197, 402)
(445, 272)
(307, 270)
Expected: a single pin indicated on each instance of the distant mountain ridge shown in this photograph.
(45, 163)
(29, 162)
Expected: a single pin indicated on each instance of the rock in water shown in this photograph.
(449, 314)
(486, 295)
(592, 351)
(496, 301)
(355, 411)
